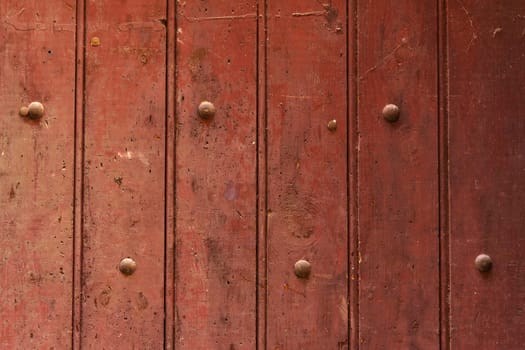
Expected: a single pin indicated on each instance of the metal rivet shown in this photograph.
(35, 110)
(391, 113)
(302, 268)
(206, 110)
(24, 111)
(95, 41)
(483, 262)
(332, 125)
(127, 266)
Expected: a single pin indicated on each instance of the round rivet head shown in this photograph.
(95, 41)
(206, 110)
(332, 125)
(35, 110)
(24, 111)
(483, 262)
(391, 113)
(127, 266)
(302, 268)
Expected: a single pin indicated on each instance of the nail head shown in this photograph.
(483, 263)
(391, 113)
(332, 125)
(302, 268)
(127, 266)
(206, 110)
(35, 110)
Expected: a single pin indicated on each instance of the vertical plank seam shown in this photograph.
(169, 181)
(257, 189)
(266, 195)
(78, 174)
(166, 91)
(262, 186)
(353, 135)
(443, 174)
(348, 183)
(168, 196)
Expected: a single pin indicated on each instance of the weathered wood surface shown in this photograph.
(306, 175)
(37, 50)
(487, 162)
(215, 255)
(398, 176)
(216, 212)
(124, 174)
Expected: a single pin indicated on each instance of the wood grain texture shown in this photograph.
(124, 174)
(487, 191)
(398, 176)
(307, 175)
(171, 87)
(37, 63)
(216, 176)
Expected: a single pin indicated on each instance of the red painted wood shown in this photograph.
(217, 212)
(37, 53)
(124, 176)
(216, 176)
(487, 190)
(398, 176)
(307, 175)
(170, 179)
(79, 170)
(353, 174)
(261, 178)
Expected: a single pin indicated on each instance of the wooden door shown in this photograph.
(261, 174)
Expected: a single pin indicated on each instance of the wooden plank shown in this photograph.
(37, 46)
(353, 174)
(124, 176)
(79, 170)
(261, 176)
(398, 182)
(487, 191)
(169, 281)
(307, 175)
(443, 168)
(216, 176)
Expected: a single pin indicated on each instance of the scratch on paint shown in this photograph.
(221, 18)
(130, 155)
(287, 287)
(312, 13)
(22, 26)
(471, 22)
(383, 60)
(57, 27)
(300, 97)
(327, 8)
(25, 28)
(156, 26)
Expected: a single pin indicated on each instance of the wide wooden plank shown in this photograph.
(124, 176)
(307, 175)
(487, 162)
(398, 176)
(37, 50)
(216, 175)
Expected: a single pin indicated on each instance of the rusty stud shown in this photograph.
(127, 266)
(24, 111)
(332, 125)
(483, 262)
(35, 110)
(302, 268)
(391, 113)
(95, 41)
(206, 110)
